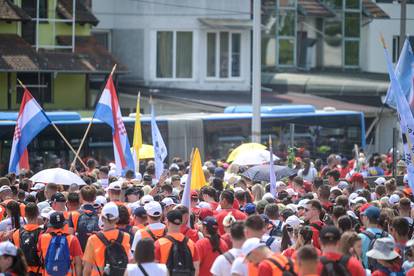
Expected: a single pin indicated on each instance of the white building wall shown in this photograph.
(131, 21)
(372, 54)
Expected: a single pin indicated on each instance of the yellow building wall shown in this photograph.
(9, 28)
(3, 91)
(68, 92)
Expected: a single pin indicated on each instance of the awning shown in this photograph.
(230, 23)
(372, 10)
(11, 12)
(314, 8)
(16, 55)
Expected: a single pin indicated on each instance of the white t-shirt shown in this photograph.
(239, 267)
(276, 243)
(150, 268)
(312, 173)
(6, 224)
(152, 226)
(221, 265)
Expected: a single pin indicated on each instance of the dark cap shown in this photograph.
(250, 208)
(175, 217)
(147, 177)
(57, 220)
(330, 233)
(219, 172)
(132, 191)
(58, 197)
(140, 212)
(372, 213)
(210, 222)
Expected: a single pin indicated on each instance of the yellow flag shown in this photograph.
(197, 175)
(137, 144)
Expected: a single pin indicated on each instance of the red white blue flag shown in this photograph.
(30, 121)
(108, 111)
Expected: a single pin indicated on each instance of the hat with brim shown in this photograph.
(383, 250)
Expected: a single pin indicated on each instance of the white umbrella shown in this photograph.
(58, 176)
(254, 157)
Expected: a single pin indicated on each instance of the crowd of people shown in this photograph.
(324, 219)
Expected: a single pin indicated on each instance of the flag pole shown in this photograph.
(405, 133)
(87, 129)
(56, 128)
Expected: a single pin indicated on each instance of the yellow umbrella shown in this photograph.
(244, 148)
(145, 152)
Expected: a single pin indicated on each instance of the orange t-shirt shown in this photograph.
(163, 247)
(95, 250)
(16, 241)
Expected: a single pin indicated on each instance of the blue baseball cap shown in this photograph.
(372, 213)
(250, 208)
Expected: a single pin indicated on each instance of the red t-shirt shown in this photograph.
(227, 239)
(238, 215)
(354, 266)
(207, 256)
(410, 272)
(315, 230)
(192, 234)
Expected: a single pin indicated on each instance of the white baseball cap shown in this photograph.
(302, 203)
(250, 245)
(394, 199)
(267, 196)
(293, 221)
(153, 209)
(358, 199)
(5, 188)
(116, 186)
(38, 187)
(380, 180)
(291, 192)
(110, 211)
(168, 201)
(7, 248)
(46, 212)
(101, 200)
(146, 199)
(203, 204)
(42, 205)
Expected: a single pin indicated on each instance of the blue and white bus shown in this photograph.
(213, 133)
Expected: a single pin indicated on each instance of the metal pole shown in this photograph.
(256, 72)
(403, 20)
(73, 25)
(394, 152)
(292, 134)
(37, 24)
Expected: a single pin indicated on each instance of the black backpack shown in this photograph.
(88, 224)
(180, 260)
(28, 244)
(287, 270)
(335, 268)
(372, 263)
(276, 230)
(116, 259)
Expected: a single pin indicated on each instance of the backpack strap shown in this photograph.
(142, 270)
(344, 260)
(269, 241)
(369, 235)
(151, 234)
(120, 237)
(282, 268)
(102, 238)
(317, 226)
(229, 257)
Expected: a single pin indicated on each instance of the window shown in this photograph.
(395, 48)
(43, 8)
(223, 55)
(286, 32)
(39, 84)
(103, 38)
(174, 54)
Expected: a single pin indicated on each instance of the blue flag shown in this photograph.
(186, 199)
(160, 150)
(405, 75)
(406, 120)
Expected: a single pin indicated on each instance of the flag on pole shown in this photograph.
(160, 150)
(30, 121)
(108, 111)
(137, 144)
(186, 199)
(405, 117)
(405, 75)
(198, 179)
(272, 171)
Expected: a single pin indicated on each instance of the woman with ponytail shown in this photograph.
(14, 220)
(12, 261)
(211, 246)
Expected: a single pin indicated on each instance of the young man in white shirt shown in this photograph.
(222, 264)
